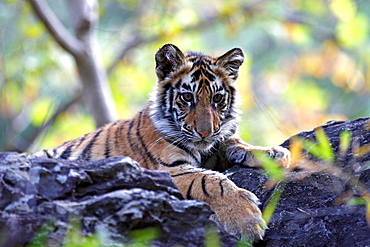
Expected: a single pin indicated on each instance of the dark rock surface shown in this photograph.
(313, 211)
(116, 196)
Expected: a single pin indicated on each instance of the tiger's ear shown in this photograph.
(168, 59)
(231, 61)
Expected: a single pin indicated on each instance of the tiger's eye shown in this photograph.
(218, 98)
(188, 97)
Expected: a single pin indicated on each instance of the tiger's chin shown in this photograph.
(203, 145)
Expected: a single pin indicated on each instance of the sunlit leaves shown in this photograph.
(344, 10)
(318, 8)
(41, 236)
(273, 169)
(42, 110)
(187, 17)
(353, 28)
(212, 237)
(321, 148)
(298, 34)
(143, 237)
(364, 199)
(33, 31)
(307, 61)
(345, 141)
(273, 201)
(277, 177)
(307, 94)
(353, 32)
(68, 126)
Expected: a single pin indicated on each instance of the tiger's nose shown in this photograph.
(204, 135)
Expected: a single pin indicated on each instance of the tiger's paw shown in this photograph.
(280, 154)
(244, 155)
(240, 215)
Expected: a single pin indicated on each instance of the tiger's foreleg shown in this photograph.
(235, 208)
(238, 152)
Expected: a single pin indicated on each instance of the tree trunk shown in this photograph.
(83, 48)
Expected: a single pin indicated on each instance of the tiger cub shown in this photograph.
(189, 128)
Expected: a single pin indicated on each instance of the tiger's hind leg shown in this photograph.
(236, 208)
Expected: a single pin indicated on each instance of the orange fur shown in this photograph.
(189, 124)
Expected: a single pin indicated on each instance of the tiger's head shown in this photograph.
(195, 100)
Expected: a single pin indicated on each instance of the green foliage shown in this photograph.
(273, 169)
(273, 202)
(74, 236)
(345, 140)
(143, 237)
(40, 238)
(321, 148)
(211, 237)
(306, 63)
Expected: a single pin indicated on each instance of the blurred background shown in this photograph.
(307, 62)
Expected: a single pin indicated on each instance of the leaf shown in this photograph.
(274, 170)
(324, 144)
(345, 140)
(42, 110)
(41, 236)
(142, 237)
(211, 237)
(344, 10)
(273, 201)
(353, 33)
(322, 148)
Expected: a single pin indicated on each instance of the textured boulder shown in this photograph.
(113, 197)
(314, 208)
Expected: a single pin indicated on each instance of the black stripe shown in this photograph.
(86, 153)
(107, 149)
(183, 147)
(165, 164)
(146, 151)
(187, 87)
(182, 174)
(129, 138)
(47, 154)
(81, 140)
(231, 92)
(201, 82)
(195, 76)
(170, 99)
(66, 153)
(208, 74)
(188, 193)
(204, 186)
(118, 134)
(222, 188)
(177, 163)
(178, 84)
(107, 144)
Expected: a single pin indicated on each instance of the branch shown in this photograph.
(137, 40)
(21, 144)
(84, 15)
(131, 45)
(82, 47)
(62, 36)
(59, 111)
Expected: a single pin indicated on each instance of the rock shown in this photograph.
(50, 202)
(313, 208)
(115, 195)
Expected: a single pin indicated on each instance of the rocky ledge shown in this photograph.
(116, 202)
